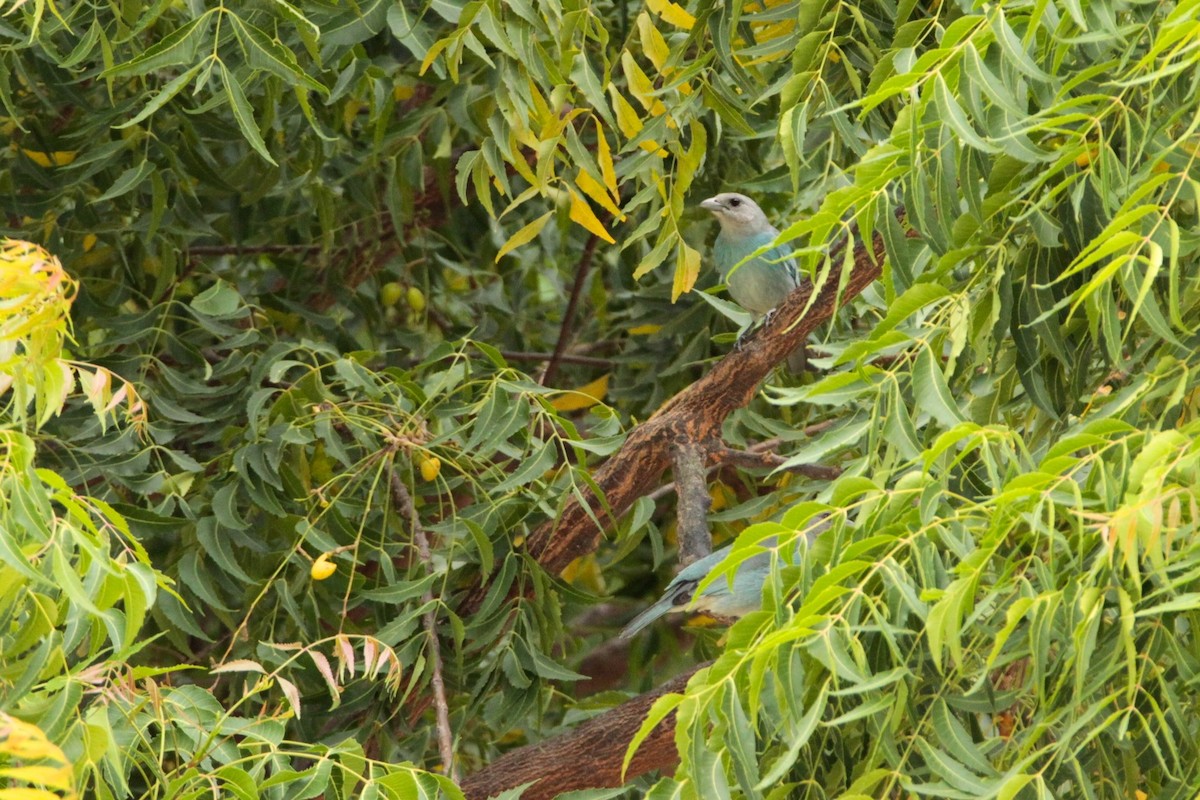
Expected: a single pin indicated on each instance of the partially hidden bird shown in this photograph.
(718, 599)
(762, 283)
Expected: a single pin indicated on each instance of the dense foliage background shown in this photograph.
(316, 255)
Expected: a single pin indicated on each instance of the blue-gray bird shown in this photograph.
(764, 281)
(717, 599)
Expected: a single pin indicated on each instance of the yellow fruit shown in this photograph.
(430, 468)
(89, 241)
(390, 293)
(322, 568)
(416, 299)
(1086, 157)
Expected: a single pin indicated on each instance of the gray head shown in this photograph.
(737, 213)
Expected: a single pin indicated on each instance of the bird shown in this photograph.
(717, 599)
(763, 282)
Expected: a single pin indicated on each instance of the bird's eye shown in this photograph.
(735, 202)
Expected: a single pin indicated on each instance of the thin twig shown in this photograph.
(564, 330)
(764, 460)
(695, 539)
(248, 249)
(565, 358)
(404, 502)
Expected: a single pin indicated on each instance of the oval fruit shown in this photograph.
(322, 568)
(430, 468)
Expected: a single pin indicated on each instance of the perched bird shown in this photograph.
(717, 599)
(764, 281)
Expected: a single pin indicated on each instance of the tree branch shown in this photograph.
(564, 331)
(588, 757)
(565, 358)
(408, 509)
(695, 538)
(698, 412)
(695, 414)
(758, 459)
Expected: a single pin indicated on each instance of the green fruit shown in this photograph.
(390, 293)
(416, 299)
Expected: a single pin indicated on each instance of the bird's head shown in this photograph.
(737, 213)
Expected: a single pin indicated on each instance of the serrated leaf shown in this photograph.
(658, 712)
(178, 47)
(127, 181)
(263, 52)
(931, 392)
(244, 115)
(582, 213)
(164, 95)
(525, 235)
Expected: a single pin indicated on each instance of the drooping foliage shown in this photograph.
(315, 245)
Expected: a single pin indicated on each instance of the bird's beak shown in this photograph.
(712, 204)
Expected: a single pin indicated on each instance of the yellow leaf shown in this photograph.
(58, 158)
(350, 113)
(627, 119)
(582, 213)
(541, 109)
(525, 235)
(641, 86)
(583, 397)
(604, 156)
(645, 330)
(433, 53)
(595, 190)
(687, 268)
(672, 13)
(651, 146)
(402, 92)
(585, 572)
(653, 44)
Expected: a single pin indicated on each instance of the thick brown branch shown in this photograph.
(588, 757)
(695, 538)
(698, 412)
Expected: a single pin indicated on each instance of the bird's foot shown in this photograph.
(744, 336)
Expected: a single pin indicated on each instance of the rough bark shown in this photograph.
(695, 539)
(588, 757)
(591, 756)
(697, 413)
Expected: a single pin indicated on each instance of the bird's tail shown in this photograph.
(646, 617)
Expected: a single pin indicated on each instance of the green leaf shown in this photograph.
(263, 52)
(181, 46)
(932, 393)
(662, 707)
(127, 181)
(243, 114)
(218, 300)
